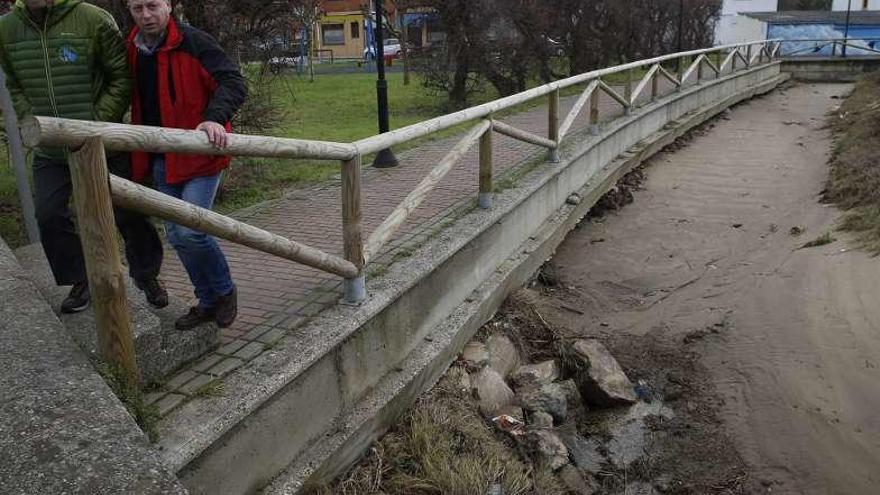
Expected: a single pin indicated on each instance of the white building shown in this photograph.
(855, 4)
(734, 28)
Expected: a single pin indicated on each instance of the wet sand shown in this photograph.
(708, 244)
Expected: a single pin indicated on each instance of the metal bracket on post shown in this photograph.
(355, 290)
(553, 126)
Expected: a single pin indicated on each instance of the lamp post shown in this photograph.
(846, 28)
(385, 158)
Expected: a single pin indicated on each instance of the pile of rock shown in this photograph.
(536, 403)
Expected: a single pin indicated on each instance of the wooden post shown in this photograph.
(733, 60)
(655, 89)
(749, 55)
(97, 228)
(594, 113)
(680, 69)
(352, 230)
(484, 200)
(628, 90)
(700, 72)
(553, 127)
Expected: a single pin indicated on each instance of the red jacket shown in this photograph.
(197, 82)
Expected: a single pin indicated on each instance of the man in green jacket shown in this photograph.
(67, 58)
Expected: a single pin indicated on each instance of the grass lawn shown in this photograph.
(336, 107)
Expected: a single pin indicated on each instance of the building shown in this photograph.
(342, 31)
(855, 5)
(733, 27)
(819, 25)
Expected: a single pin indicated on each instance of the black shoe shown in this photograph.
(77, 300)
(156, 295)
(193, 318)
(226, 309)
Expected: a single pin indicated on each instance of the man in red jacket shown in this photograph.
(183, 79)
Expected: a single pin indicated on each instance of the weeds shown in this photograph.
(854, 182)
(822, 240)
(131, 396)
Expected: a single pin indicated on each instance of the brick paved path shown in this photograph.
(276, 296)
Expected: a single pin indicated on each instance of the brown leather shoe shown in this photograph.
(226, 309)
(193, 318)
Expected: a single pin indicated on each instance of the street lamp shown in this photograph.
(385, 158)
(846, 28)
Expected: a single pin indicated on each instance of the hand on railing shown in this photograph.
(216, 133)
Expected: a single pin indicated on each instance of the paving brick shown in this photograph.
(206, 362)
(195, 384)
(228, 365)
(250, 351)
(179, 379)
(232, 347)
(256, 332)
(153, 397)
(272, 336)
(169, 402)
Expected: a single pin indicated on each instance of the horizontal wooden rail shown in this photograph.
(133, 196)
(384, 232)
(54, 132)
(576, 109)
(404, 134)
(510, 131)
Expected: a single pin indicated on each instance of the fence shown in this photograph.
(840, 47)
(94, 199)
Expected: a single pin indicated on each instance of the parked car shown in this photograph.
(391, 48)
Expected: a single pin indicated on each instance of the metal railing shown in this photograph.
(840, 47)
(94, 199)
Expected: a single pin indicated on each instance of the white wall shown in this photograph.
(735, 28)
(856, 5)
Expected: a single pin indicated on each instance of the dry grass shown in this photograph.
(444, 446)
(854, 184)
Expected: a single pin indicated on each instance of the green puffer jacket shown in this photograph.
(72, 65)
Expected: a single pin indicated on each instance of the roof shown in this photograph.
(863, 17)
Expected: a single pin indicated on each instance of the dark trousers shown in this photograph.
(53, 188)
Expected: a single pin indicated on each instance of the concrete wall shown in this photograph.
(855, 4)
(313, 403)
(735, 28)
(837, 69)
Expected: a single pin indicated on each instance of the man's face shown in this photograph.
(151, 16)
(37, 4)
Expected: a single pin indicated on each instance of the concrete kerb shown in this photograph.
(327, 459)
(62, 430)
(341, 355)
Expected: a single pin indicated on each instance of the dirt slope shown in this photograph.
(794, 348)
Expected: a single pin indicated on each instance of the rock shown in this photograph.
(459, 378)
(549, 398)
(602, 381)
(491, 391)
(572, 395)
(574, 199)
(535, 374)
(549, 448)
(510, 425)
(503, 356)
(475, 355)
(540, 419)
(513, 411)
(575, 481)
(584, 452)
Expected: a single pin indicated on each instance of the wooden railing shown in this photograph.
(95, 192)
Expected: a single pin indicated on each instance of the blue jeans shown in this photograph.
(199, 252)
